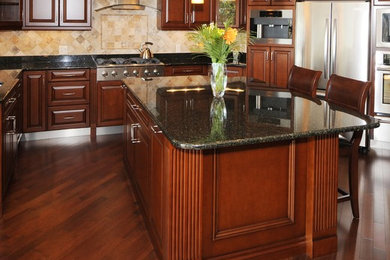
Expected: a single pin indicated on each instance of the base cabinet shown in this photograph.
(110, 103)
(270, 64)
(34, 101)
(11, 112)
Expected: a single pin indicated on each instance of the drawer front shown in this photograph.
(136, 108)
(187, 70)
(64, 117)
(68, 93)
(67, 75)
(233, 71)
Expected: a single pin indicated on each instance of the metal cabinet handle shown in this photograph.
(135, 107)
(266, 55)
(69, 94)
(156, 129)
(272, 55)
(13, 119)
(11, 100)
(133, 139)
(69, 117)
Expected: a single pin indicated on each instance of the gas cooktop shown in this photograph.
(117, 68)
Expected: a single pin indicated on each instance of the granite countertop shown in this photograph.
(87, 61)
(8, 79)
(184, 110)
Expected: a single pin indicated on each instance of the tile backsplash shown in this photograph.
(113, 31)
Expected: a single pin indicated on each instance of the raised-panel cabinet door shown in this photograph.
(110, 103)
(75, 13)
(200, 13)
(258, 63)
(34, 101)
(174, 14)
(282, 60)
(41, 13)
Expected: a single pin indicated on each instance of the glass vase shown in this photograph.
(218, 115)
(218, 79)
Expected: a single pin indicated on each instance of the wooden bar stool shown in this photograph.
(350, 95)
(303, 81)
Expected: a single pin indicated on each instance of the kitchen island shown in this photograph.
(254, 176)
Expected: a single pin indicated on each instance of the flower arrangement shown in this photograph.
(216, 43)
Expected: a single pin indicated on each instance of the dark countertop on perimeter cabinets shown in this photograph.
(47, 62)
(8, 79)
(181, 107)
(87, 61)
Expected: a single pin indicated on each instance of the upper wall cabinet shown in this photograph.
(11, 14)
(271, 2)
(231, 10)
(58, 14)
(182, 15)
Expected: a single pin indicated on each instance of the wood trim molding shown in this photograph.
(186, 214)
(322, 195)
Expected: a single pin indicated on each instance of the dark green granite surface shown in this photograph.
(8, 79)
(254, 113)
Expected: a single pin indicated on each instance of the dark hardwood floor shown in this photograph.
(70, 199)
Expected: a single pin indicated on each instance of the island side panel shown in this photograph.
(322, 195)
(254, 201)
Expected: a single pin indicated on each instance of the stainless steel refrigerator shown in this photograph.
(333, 37)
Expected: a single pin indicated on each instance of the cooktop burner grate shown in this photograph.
(126, 61)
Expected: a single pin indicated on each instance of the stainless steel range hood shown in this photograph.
(124, 5)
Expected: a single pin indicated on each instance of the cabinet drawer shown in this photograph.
(186, 70)
(233, 71)
(67, 75)
(68, 93)
(63, 117)
(136, 108)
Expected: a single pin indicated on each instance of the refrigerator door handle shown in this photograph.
(326, 49)
(334, 46)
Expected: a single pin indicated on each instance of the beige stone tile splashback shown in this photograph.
(112, 32)
(130, 33)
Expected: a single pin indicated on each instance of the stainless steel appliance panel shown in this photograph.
(312, 37)
(350, 39)
(382, 83)
(333, 37)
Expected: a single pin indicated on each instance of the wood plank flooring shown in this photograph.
(70, 200)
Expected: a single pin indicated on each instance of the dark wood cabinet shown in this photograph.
(110, 95)
(11, 133)
(185, 70)
(235, 71)
(258, 63)
(58, 14)
(68, 98)
(11, 14)
(270, 64)
(271, 2)
(34, 101)
(182, 15)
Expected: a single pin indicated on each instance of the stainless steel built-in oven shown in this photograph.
(383, 26)
(382, 83)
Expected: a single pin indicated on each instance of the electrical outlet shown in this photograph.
(63, 49)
